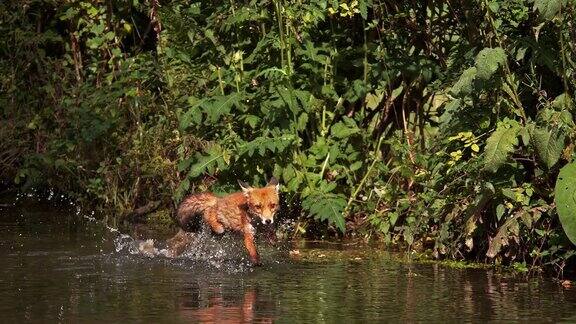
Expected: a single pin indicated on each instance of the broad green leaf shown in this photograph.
(335, 152)
(549, 144)
(355, 166)
(271, 73)
(464, 84)
(98, 28)
(319, 148)
(494, 6)
(305, 98)
(184, 164)
(182, 189)
(527, 219)
(363, 6)
(373, 99)
(288, 98)
(563, 102)
(565, 197)
(393, 218)
(566, 118)
(288, 173)
(109, 36)
(526, 132)
(488, 61)
(499, 145)
(341, 130)
(548, 8)
(521, 53)
(69, 14)
(396, 92)
(94, 42)
(500, 209)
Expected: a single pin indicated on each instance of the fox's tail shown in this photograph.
(192, 206)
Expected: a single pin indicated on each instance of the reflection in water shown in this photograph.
(214, 306)
(57, 267)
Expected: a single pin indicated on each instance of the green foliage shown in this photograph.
(465, 84)
(378, 120)
(566, 200)
(500, 144)
(488, 61)
(326, 206)
(87, 110)
(486, 64)
(549, 144)
(548, 8)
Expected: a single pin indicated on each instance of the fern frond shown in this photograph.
(326, 207)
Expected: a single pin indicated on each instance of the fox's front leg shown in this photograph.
(211, 217)
(250, 246)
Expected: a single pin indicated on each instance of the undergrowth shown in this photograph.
(438, 124)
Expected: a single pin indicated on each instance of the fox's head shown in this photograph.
(262, 202)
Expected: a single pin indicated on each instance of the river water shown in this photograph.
(58, 266)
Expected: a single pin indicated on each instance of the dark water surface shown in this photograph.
(57, 266)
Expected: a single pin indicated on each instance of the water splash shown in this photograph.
(202, 249)
(125, 243)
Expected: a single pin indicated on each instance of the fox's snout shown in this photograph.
(262, 202)
(267, 216)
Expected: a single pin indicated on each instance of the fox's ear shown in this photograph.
(245, 187)
(274, 182)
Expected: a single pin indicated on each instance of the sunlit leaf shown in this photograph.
(565, 197)
(341, 130)
(499, 145)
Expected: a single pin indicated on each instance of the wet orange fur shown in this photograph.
(233, 212)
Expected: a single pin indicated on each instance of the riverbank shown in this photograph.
(422, 125)
(159, 225)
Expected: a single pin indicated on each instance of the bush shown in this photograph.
(427, 123)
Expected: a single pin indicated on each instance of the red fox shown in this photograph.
(234, 211)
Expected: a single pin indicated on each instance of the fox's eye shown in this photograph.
(272, 206)
(258, 206)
